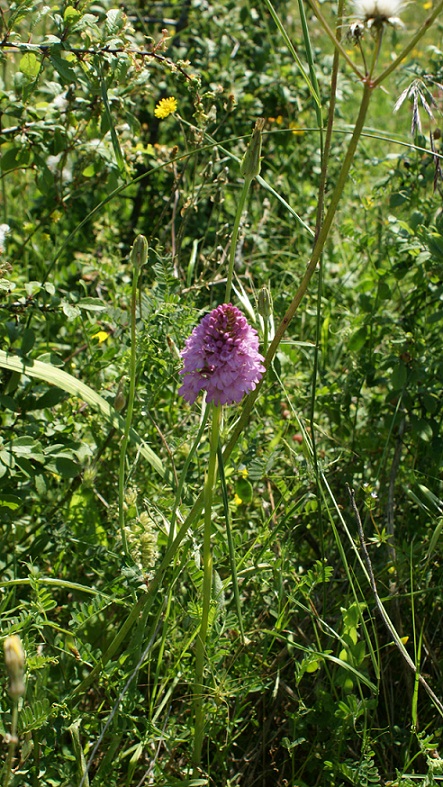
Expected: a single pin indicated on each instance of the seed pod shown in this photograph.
(250, 166)
(139, 252)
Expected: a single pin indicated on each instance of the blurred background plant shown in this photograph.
(90, 156)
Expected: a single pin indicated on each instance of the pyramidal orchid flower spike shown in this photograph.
(221, 357)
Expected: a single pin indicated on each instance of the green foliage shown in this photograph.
(313, 691)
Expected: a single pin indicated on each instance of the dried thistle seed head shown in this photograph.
(376, 13)
(355, 32)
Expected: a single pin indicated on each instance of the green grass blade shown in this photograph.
(227, 513)
(114, 138)
(281, 28)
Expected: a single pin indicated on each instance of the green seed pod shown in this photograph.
(250, 166)
(120, 398)
(139, 252)
(264, 303)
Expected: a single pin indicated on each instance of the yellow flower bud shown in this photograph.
(15, 665)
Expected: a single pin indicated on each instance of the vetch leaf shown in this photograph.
(71, 385)
(399, 376)
(64, 467)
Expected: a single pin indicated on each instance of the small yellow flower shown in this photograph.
(295, 128)
(165, 107)
(237, 500)
(101, 336)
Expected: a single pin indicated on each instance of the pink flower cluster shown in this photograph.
(221, 357)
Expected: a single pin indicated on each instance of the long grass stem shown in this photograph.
(129, 413)
(206, 589)
(138, 259)
(12, 744)
(233, 247)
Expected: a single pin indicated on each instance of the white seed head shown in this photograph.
(4, 229)
(379, 11)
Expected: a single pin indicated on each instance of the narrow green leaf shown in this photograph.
(115, 143)
(281, 28)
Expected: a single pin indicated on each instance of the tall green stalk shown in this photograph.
(250, 169)
(206, 589)
(139, 255)
(12, 743)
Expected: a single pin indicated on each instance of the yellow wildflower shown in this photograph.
(237, 500)
(165, 107)
(101, 336)
(294, 128)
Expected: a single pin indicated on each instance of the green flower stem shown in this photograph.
(376, 53)
(12, 743)
(312, 73)
(240, 208)
(318, 225)
(330, 124)
(230, 542)
(265, 334)
(129, 412)
(207, 587)
(183, 474)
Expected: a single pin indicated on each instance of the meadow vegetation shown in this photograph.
(199, 593)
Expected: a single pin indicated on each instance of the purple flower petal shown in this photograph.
(221, 357)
